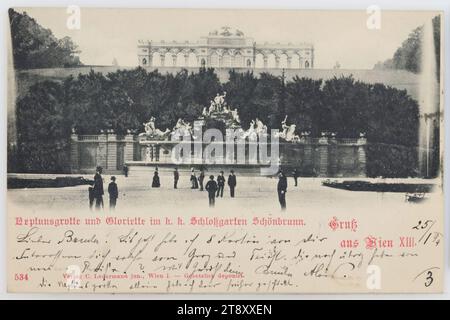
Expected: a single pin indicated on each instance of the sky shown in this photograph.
(338, 36)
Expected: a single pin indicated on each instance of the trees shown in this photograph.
(305, 106)
(408, 55)
(344, 107)
(36, 47)
(43, 129)
(125, 99)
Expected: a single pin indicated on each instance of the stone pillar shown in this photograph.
(307, 157)
(111, 156)
(150, 59)
(102, 151)
(129, 148)
(289, 60)
(174, 60)
(277, 62)
(265, 61)
(362, 143)
(74, 154)
(186, 60)
(323, 157)
(156, 152)
(162, 57)
(333, 157)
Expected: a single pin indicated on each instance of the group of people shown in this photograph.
(96, 191)
(215, 188)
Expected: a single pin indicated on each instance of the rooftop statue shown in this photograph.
(239, 33)
(226, 31)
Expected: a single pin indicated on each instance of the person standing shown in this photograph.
(125, 170)
(194, 182)
(295, 175)
(98, 188)
(91, 197)
(220, 184)
(113, 193)
(232, 183)
(201, 177)
(176, 177)
(156, 182)
(211, 187)
(282, 189)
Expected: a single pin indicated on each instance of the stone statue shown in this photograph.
(222, 98)
(183, 128)
(217, 102)
(235, 115)
(212, 106)
(251, 132)
(152, 132)
(239, 33)
(288, 132)
(261, 128)
(226, 32)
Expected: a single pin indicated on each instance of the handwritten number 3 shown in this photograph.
(429, 279)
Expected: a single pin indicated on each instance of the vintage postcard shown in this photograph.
(225, 151)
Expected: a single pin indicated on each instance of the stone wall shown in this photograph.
(108, 150)
(324, 157)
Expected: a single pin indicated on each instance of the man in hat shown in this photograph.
(282, 188)
(113, 193)
(176, 177)
(98, 188)
(211, 187)
(220, 184)
(201, 177)
(232, 183)
(295, 176)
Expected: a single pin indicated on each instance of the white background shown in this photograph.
(247, 4)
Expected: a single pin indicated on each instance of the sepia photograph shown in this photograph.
(201, 150)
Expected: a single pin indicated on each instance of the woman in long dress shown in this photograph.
(194, 182)
(156, 183)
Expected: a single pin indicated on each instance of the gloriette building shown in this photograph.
(226, 48)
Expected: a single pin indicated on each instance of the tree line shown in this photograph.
(408, 55)
(37, 47)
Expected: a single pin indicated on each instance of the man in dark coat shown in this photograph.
(211, 187)
(201, 177)
(98, 188)
(282, 189)
(91, 197)
(220, 184)
(176, 177)
(113, 193)
(295, 175)
(232, 183)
